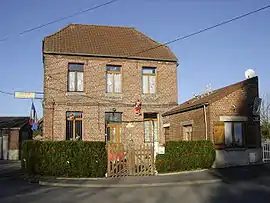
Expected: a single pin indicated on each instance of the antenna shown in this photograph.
(249, 73)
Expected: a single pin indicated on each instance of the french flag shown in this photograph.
(33, 121)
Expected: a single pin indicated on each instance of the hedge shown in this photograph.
(64, 158)
(185, 155)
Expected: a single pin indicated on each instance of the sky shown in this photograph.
(218, 57)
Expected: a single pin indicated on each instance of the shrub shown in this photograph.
(186, 155)
(64, 158)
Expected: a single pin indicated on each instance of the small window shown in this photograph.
(113, 117)
(113, 76)
(187, 132)
(149, 80)
(233, 134)
(74, 126)
(75, 77)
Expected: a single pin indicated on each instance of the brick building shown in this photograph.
(229, 116)
(13, 131)
(94, 75)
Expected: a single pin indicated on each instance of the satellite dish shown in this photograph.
(249, 73)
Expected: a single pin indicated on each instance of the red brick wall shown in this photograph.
(58, 100)
(195, 116)
(242, 99)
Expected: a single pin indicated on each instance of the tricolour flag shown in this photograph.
(33, 121)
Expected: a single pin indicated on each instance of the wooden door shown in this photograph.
(114, 133)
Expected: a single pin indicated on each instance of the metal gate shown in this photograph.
(130, 160)
(266, 151)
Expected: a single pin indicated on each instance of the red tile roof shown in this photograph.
(210, 98)
(110, 41)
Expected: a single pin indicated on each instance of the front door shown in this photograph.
(114, 133)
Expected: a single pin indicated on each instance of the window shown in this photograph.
(166, 132)
(233, 134)
(75, 77)
(149, 80)
(187, 132)
(113, 76)
(74, 126)
(150, 127)
(113, 117)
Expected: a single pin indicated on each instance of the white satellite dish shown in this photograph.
(249, 73)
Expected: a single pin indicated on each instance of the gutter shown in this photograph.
(108, 56)
(205, 121)
(185, 109)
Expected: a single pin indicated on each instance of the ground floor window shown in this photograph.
(233, 134)
(187, 132)
(166, 132)
(74, 125)
(150, 127)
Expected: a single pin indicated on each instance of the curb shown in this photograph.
(44, 183)
(182, 172)
(159, 174)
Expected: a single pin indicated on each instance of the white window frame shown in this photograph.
(76, 81)
(116, 78)
(146, 87)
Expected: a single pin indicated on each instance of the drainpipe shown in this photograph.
(205, 121)
(53, 120)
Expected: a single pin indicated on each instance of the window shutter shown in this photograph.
(219, 133)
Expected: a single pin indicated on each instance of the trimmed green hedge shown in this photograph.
(64, 158)
(186, 155)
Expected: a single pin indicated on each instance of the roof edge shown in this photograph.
(169, 113)
(108, 56)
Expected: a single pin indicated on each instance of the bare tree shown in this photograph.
(265, 117)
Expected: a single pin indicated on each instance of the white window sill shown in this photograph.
(75, 93)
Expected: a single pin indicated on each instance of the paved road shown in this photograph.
(14, 189)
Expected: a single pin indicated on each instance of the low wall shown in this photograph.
(237, 157)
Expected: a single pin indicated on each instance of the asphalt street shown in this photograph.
(250, 188)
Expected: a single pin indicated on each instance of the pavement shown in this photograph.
(239, 184)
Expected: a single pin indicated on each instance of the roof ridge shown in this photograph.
(97, 25)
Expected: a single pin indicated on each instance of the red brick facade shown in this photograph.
(238, 102)
(94, 101)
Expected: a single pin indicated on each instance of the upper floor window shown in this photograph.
(149, 80)
(113, 76)
(75, 77)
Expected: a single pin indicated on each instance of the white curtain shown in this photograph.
(147, 131)
(228, 133)
(145, 84)
(109, 82)
(117, 82)
(152, 83)
(79, 81)
(155, 130)
(238, 133)
(71, 85)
